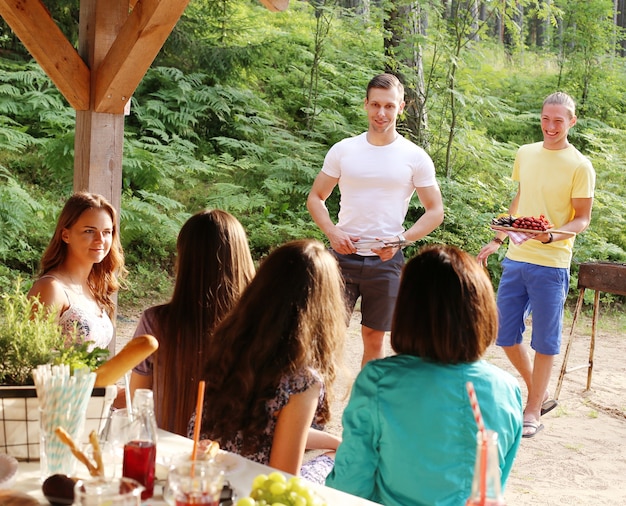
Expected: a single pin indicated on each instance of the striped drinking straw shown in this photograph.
(475, 408)
(483, 436)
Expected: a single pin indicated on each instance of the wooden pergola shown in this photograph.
(118, 41)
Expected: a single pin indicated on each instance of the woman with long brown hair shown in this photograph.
(213, 266)
(80, 269)
(274, 358)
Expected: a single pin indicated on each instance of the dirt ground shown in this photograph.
(579, 458)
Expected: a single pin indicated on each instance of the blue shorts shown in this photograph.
(376, 282)
(526, 288)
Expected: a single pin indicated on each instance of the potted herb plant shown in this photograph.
(29, 337)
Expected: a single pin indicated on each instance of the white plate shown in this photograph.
(369, 245)
(8, 470)
(231, 462)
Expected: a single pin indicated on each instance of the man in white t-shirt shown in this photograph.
(377, 172)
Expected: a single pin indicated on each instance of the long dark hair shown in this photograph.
(291, 317)
(213, 267)
(103, 278)
(446, 309)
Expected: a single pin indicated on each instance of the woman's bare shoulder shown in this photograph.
(50, 291)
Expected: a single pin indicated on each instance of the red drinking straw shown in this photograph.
(196, 429)
(483, 433)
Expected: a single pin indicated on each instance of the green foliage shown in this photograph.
(78, 356)
(146, 283)
(241, 106)
(149, 225)
(28, 336)
(21, 217)
(31, 336)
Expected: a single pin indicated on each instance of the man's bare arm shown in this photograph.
(430, 198)
(316, 204)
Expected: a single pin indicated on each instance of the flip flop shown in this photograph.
(536, 426)
(548, 406)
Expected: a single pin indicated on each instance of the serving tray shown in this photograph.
(531, 231)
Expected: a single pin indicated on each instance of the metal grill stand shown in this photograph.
(602, 277)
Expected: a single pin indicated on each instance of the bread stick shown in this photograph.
(135, 351)
(67, 439)
(97, 452)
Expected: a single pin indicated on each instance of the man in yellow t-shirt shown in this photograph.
(556, 180)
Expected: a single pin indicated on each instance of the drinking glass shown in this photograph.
(103, 492)
(55, 456)
(115, 435)
(194, 482)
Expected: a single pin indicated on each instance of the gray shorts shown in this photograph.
(376, 282)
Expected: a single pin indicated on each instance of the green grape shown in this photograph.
(257, 493)
(277, 488)
(259, 481)
(298, 501)
(278, 477)
(296, 484)
(246, 501)
(308, 496)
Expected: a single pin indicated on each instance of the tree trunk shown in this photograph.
(404, 59)
(359, 7)
(621, 22)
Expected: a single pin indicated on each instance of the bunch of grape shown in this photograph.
(275, 490)
(532, 223)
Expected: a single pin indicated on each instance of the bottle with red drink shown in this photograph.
(486, 489)
(140, 447)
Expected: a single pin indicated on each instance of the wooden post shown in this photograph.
(99, 140)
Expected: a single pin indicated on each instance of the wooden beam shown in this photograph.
(137, 44)
(99, 139)
(32, 23)
(98, 148)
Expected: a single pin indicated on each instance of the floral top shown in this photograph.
(94, 328)
(90, 327)
(289, 385)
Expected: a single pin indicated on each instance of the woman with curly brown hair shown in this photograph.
(273, 360)
(80, 269)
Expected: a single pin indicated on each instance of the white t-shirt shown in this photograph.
(376, 183)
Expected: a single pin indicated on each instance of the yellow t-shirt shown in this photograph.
(549, 180)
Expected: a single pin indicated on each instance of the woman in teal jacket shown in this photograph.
(409, 435)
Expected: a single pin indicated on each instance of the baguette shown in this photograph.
(135, 351)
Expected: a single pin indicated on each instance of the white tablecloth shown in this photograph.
(240, 473)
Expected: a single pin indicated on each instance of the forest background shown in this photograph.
(241, 105)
